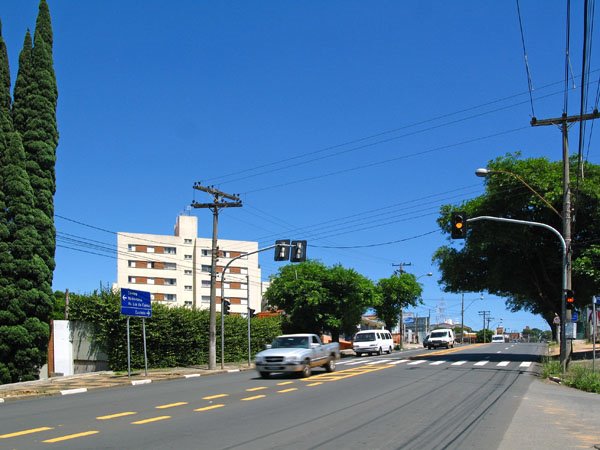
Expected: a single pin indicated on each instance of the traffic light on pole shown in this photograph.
(570, 298)
(251, 312)
(282, 250)
(459, 225)
(298, 251)
(225, 307)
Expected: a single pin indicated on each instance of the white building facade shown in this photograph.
(176, 270)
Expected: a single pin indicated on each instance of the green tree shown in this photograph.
(317, 299)
(34, 112)
(487, 333)
(520, 263)
(395, 293)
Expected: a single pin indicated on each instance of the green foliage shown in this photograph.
(487, 333)
(579, 374)
(395, 293)
(521, 263)
(175, 337)
(317, 298)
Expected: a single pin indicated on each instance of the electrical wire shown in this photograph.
(529, 81)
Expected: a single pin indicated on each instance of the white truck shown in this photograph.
(297, 353)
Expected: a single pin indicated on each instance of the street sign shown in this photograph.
(597, 299)
(574, 316)
(135, 303)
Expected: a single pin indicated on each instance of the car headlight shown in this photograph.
(291, 359)
(259, 360)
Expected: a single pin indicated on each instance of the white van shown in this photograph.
(442, 337)
(373, 342)
(498, 338)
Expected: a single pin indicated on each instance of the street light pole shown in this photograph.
(563, 307)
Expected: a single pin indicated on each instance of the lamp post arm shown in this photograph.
(548, 204)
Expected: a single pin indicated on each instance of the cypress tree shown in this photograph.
(34, 115)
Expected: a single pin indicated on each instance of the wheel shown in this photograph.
(390, 351)
(264, 374)
(306, 370)
(330, 366)
(370, 354)
(429, 347)
(379, 352)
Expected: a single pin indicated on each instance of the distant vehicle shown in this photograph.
(426, 341)
(298, 353)
(373, 342)
(442, 337)
(498, 338)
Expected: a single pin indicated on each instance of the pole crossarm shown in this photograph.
(564, 119)
(216, 205)
(212, 190)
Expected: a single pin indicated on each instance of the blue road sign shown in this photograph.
(135, 303)
(597, 299)
(574, 316)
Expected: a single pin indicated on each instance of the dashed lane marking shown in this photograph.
(117, 415)
(283, 391)
(208, 408)
(70, 436)
(24, 432)
(212, 397)
(283, 383)
(256, 397)
(150, 420)
(171, 405)
(259, 388)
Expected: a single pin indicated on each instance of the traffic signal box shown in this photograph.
(459, 225)
(298, 251)
(570, 299)
(282, 250)
(225, 307)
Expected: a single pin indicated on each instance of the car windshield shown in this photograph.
(439, 334)
(290, 342)
(364, 337)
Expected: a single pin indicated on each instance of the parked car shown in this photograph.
(299, 353)
(442, 337)
(373, 342)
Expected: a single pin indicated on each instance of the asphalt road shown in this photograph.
(460, 398)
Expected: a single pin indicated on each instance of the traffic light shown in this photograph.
(298, 251)
(251, 312)
(570, 298)
(459, 225)
(225, 307)
(282, 250)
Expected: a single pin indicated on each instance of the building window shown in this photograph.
(187, 241)
(187, 272)
(244, 270)
(226, 254)
(150, 249)
(205, 283)
(187, 288)
(205, 252)
(131, 248)
(187, 257)
(170, 266)
(170, 281)
(150, 280)
(171, 297)
(131, 263)
(150, 265)
(206, 268)
(206, 299)
(243, 255)
(187, 303)
(169, 250)
(132, 280)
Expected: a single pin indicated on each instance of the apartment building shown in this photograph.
(176, 270)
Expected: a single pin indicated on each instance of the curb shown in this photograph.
(73, 391)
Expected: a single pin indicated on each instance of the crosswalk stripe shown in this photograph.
(437, 363)
(459, 363)
(398, 361)
(503, 364)
(414, 363)
(380, 361)
(481, 363)
(525, 364)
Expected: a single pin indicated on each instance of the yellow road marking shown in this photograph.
(207, 408)
(354, 371)
(283, 391)
(315, 384)
(171, 405)
(260, 388)
(21, 433)
(153, 419)
(256, 397)
(114, 416)
(283, 383)
(210, 397)
(70, 436)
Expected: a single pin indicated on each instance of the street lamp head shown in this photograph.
(482, 172)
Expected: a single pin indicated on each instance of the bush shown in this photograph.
(175, 336)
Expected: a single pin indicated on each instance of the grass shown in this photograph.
(579, 374)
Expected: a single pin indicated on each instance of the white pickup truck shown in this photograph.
(291, 353)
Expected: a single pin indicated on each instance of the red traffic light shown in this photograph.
(570, 296)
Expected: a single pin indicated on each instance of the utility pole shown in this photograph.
(462, 318)
(563, 123)
(219, 201)
(485, 315)
(400, 266)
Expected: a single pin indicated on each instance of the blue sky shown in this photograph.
(346, 123)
